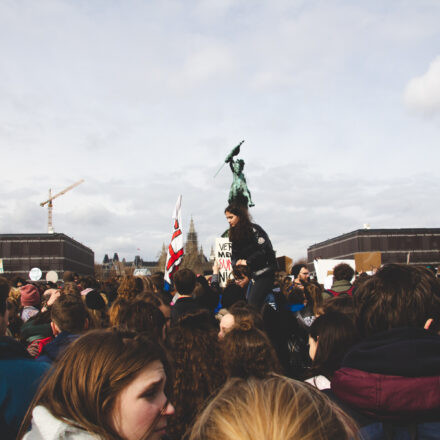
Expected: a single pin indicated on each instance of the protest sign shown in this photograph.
(223, 251)
(367, 261)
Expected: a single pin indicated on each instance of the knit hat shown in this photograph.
(94, 300)
(29, 295)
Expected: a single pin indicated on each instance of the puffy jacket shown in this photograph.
(393, 379)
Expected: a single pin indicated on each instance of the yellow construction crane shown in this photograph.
(50, 204)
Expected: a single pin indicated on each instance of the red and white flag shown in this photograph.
(175, 249)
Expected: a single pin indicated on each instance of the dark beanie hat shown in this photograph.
(94, 300)
(29, 295)
(296, 269)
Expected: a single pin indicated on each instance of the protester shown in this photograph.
(239, 315)
(342, 303)
(251, 247)
(300, 274)
(69, 318)
(141, 316)
(19, 374)
(276, 408)
(390, 380)
(247, 351)
(197, 368)
(342, 275)
(331, 336)
(130, 286)
(205, 297)
(184, 303)
(30, 301)
(107, 385)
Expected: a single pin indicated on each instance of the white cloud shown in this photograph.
(145, 99)
(422, 94)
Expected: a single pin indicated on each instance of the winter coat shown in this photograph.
(393, 378)
(52, 351)
(257, 252)
(46, 427)
(20, 376)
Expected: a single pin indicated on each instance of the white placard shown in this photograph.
(35, 274)
(223, 251)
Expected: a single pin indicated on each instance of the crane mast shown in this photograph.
(49, 203)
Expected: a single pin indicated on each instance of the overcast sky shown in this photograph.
(338, 101)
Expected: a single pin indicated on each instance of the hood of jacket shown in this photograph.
(394, 375)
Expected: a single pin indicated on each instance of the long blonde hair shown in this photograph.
(272, 409)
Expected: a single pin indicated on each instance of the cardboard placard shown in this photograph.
(223, 251)
(367, 261)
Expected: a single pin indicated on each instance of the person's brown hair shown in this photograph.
(82, 387)
(245, 316)
(184, 281)
(241, 271)
(242, 231)
(248, 352)
(116, 310)
(141, 316)
(197, 368)
(335, 333)
(130, 286)
(342, 303)
(147, 284)
(70, 288)
(343, 271)
(398, 295)
(69, 313)
(272, 409)
(158, 280)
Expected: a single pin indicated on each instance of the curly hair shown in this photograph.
(248, 352)
(70, 288)
(198, 369)
(140, 316)
(245, 316)
(343, 271)
(130, 286)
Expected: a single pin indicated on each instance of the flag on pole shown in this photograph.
(175, 249)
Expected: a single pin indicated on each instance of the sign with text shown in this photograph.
(223, 251)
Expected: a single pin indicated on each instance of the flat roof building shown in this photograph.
(409, 245)
(22, 252)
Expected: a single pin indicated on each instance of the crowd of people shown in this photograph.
(271, 356)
